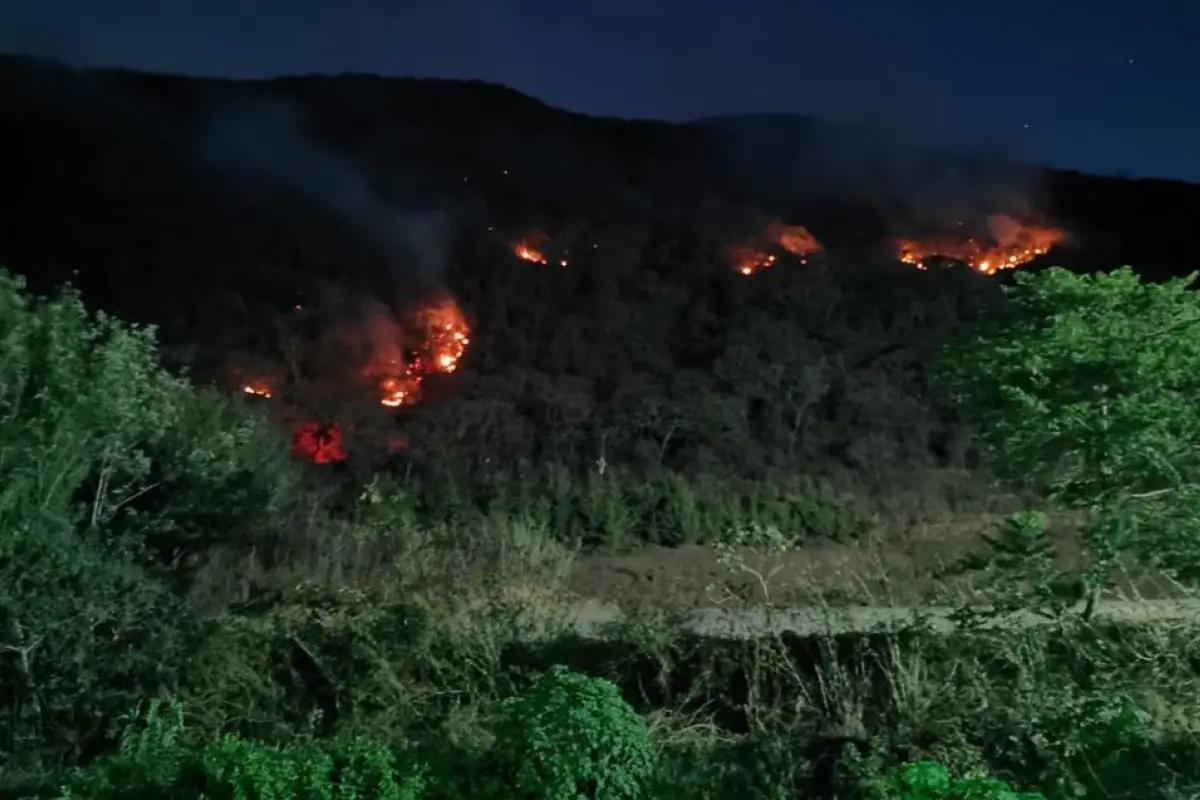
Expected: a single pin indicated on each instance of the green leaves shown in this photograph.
(154, 762)
(1086, 387)
(104, 458)
(1086, 384)
(930, 780)
(573, 736)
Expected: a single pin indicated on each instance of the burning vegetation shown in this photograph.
(436, 335)
(533, 249)
(751, 257)
(444, 340)
(319, 443)
(258, 388)
(1009, 243)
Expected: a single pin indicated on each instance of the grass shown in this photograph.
(409, 632)
(407, 628)
(386, 626)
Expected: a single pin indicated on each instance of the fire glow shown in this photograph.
(443, 338)
(319, 443)
(533, 249)
(526, 252)
(1009, 245)
(796, 240)
(445, 341)
(748, 259)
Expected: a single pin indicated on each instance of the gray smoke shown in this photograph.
(267, 139)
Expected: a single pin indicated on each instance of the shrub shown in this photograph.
(104, 458)
(929, 780)
(571, 736)
(153, 763)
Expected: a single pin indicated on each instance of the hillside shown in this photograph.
(485, 449)
(352, 247)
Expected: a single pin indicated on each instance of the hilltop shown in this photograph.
(316, 241)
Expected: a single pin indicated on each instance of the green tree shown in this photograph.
(1085, 386)
(103, 458)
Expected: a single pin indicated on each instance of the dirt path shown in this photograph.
(911, 566)
(884, 582)
(591, 620)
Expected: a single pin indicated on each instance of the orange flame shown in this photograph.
(1010, 244)
(529, 253)
(748, 259)
(445, 338)
(795, 239)
(533, 249)
(751, 257)
(258, 389)
(447, 331)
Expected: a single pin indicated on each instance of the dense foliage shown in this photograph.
(1085, 389)
(422, 684)
(109, 477)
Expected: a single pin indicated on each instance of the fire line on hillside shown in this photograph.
(1010, 244)
(444, 339)
(754, 256)
(398, 374)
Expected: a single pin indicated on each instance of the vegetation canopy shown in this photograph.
(1084, 388)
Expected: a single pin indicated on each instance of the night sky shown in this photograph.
(1099, 85)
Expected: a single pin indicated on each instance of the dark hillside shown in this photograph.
(269, 226)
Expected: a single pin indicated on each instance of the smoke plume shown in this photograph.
(267, 139)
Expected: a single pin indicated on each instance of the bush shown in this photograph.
(104, 461)
(571, 736)
(153, 763)
(929, 780)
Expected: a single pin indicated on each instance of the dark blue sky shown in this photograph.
(1099, 85)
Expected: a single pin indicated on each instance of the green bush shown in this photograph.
(929, 780)
(568, 737)
(105, 461)
(571, 736)
(154, 764)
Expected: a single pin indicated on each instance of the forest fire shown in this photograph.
(445, 337)
(533, 249)
(749, 260)
(319, 443)
(398, 372)
(528, 253)
(794, 239)
(1009, 245)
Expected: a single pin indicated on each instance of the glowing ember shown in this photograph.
(1009, 245)
(528, 253)
(533, 249)
(445, 340)
(319, 443)
(751, 257)
(795, 239)
(749, 260)
(258, 389)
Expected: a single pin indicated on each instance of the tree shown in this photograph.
(1086, 386)
(110, 469)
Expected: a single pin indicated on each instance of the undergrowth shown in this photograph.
(285, 638)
